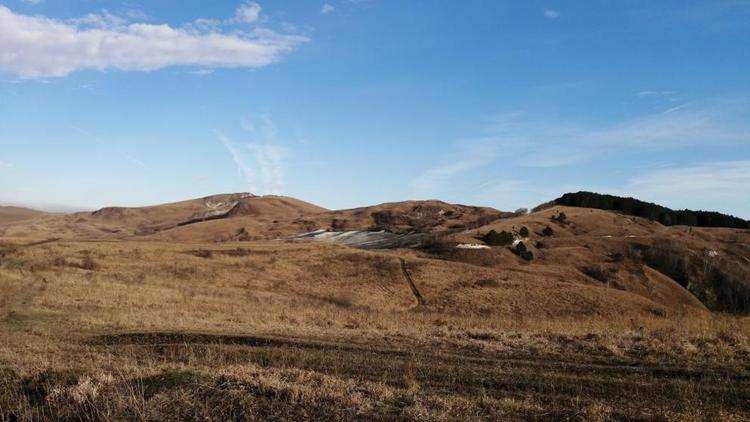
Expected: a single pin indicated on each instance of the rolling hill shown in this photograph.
(11, 214)
(590, 251)
(217, 305)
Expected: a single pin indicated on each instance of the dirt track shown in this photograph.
(639, 390)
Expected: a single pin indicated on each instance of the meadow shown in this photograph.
(291, 330)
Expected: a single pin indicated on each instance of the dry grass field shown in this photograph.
(285, 330)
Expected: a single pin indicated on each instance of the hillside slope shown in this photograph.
(600, 253)
(138, 222)
(674, 265)
(12, 214)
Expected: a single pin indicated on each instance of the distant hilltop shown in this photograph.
(655, 212)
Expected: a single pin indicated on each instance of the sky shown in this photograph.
(347, 103)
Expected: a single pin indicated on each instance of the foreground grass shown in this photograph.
(113, 331)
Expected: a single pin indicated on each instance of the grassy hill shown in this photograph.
(183, 314)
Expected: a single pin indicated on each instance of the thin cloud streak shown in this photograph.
(473, 153)
(261, 164)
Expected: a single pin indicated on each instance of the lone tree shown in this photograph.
(524, 232)
(547, 232)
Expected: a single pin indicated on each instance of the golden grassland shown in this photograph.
(293, 331)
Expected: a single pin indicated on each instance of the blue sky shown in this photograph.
(355, 102)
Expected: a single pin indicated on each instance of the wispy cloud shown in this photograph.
(5, 165)
(327, 8)
(247, 12)
(680, 126)
(262, 161)
(202, 72)
(39, 47)
(516, 140)
(711, 185)
(558, 143)
(469, 154)
(551, 14)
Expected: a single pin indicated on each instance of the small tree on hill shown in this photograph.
(494, 238)
(524, 232)
(547, 232)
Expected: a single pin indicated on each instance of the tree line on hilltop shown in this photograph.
(663, 215)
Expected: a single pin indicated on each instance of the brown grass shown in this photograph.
(300, 331)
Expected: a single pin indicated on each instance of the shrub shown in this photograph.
(522, 251)
(202, 253)
(560, 218)
(547, 232)
(524, 232)
(494, 238)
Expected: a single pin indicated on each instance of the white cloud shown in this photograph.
(5, 165)
(551, 14)
(32, 1)
(248, 12)
(39, 47)
(327, 8)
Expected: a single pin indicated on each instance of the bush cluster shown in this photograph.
(494, 238)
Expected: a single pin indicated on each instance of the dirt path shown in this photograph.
(412, 286)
